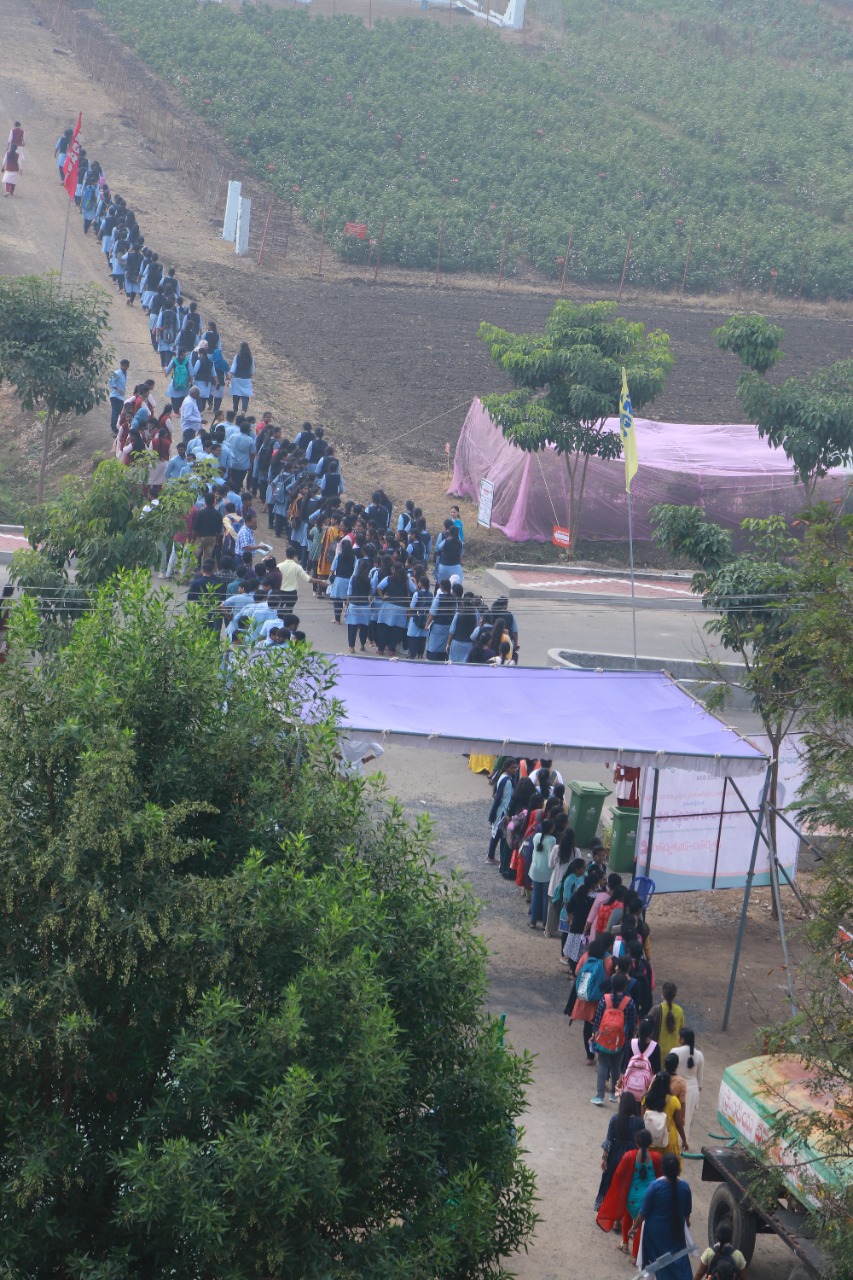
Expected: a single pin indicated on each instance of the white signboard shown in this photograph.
(229, 227)
(703, 835)
(487, 497)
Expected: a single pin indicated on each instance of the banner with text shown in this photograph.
(703, 835)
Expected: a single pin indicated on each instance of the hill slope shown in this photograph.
(726, 124)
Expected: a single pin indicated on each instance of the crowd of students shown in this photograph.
(645, 1059)
(374, 567)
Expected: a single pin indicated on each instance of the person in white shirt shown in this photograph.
(190, 411)
(292, 574)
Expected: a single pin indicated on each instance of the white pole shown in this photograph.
(232, 204)
(244, 213)
(633, 598)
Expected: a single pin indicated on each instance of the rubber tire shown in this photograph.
(724, 1204)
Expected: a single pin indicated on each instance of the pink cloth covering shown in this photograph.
(729, 471)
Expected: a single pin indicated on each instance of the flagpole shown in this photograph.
(70, 171)
(65, 238)
(633, 597)
(629, 451)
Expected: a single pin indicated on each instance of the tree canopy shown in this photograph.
(810, 419)
(242, 1030)
(93, 528)
(751, 594)
(568, 381)
(822, 1031)
(52, 349)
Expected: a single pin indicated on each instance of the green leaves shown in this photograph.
(569, 381)
(52, 348)
(753, 339)
(241, 1028)
(810, 419)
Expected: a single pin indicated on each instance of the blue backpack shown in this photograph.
(591, 981)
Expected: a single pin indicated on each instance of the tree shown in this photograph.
(568, 382)
(52, 350)
(822, 1031)
(92, 529)
(751, 594)
(810, 419)
(242, 1026)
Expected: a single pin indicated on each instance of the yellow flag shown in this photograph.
(626, 430)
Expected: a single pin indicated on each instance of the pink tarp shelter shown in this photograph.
(636, 718)
(729, 471)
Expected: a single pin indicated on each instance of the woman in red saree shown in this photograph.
(633, 1176)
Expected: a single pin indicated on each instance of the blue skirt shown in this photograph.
(339, 588)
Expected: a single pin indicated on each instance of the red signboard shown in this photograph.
(561, 537)
(357, 229)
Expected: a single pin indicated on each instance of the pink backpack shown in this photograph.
(638, 1074)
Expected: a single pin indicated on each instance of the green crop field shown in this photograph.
(725, 126)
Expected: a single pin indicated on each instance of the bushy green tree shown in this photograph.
(52, 350)
(568, 382)
(92, 529)
(810, 419)
(242, 1030)
(822, 1032)
(751, 595)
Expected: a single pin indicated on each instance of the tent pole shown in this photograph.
(774, 856)
(719, 833)
(746, 892)
(633, 599)
(777, 898)
(652, 817)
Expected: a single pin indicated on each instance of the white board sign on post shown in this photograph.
(244, 213)
(487, 498)
(232, 204)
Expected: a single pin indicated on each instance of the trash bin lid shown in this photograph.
(588, 788)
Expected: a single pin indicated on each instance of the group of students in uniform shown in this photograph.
(191, 354)
(645, 1058)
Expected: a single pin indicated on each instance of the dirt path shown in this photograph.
(45, 89)
(692, 942)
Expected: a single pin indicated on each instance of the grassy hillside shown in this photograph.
(728, 124)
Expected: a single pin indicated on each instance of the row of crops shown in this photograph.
(689, 127)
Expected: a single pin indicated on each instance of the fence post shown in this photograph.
(440, 242)
(802, 276)
(287, 234)
(625, 266)
(686, 266)
(322, 244)
(264, 236)
(568, 254)
(379, 250)
(742, 271)
(503, 258)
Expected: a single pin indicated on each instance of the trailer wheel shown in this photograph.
(726, 1204)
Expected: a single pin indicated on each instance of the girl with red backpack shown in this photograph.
(615, 1019)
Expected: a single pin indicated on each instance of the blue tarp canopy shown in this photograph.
(636, 718)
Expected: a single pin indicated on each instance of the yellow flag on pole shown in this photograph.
(626, 430)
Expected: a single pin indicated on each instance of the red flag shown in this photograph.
(72, 161)
(357, 229)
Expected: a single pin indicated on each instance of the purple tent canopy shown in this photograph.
(633, 717)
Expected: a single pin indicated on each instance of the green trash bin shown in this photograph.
(624, 839)
(585, 805)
